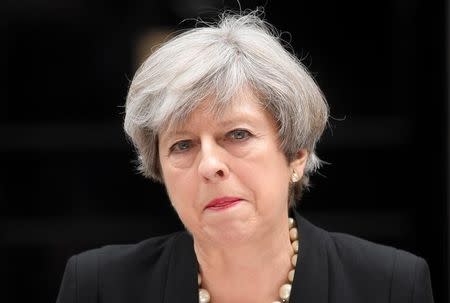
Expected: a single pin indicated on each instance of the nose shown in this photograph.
(212, 167)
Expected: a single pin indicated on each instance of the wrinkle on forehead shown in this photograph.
(211, 106)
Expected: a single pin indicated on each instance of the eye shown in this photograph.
(181, 146)
(239, 134)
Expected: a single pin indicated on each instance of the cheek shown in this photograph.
(265, 173)
(178, 186)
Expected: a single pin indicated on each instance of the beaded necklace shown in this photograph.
(285, 289)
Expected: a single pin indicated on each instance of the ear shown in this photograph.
(299, 162)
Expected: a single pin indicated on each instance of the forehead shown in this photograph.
(244, 107)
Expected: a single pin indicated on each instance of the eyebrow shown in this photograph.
(236, 121)
(172, 133)
(244, 118)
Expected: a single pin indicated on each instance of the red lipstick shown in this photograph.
(222, 203)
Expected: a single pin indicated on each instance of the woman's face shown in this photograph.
(226, 176)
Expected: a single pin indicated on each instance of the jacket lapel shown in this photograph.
(310, 283)
(182, 274)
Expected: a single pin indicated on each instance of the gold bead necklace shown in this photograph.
(285, 289)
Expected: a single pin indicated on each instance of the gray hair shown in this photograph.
(219, 59)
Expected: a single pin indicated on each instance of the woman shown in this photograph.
(228, 121)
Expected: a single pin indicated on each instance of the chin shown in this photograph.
(230, 232)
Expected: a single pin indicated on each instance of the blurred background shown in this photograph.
(67, 178)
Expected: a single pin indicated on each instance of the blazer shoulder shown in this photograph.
(118, 255)
(116, 268)
(119, 264)
(352, 249)
(150, 248)
(406, 275)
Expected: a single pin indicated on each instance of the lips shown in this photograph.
(222, 203)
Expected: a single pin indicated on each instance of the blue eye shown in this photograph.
(181, 146)
(239, 134)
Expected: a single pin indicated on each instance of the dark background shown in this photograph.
(67, 181)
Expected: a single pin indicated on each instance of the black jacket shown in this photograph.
(331, 268)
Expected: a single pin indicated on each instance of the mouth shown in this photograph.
(222, 203)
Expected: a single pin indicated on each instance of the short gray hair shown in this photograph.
(218, 60)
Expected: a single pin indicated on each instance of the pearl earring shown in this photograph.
(294, 177)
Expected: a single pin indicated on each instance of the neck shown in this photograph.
(248, 271)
